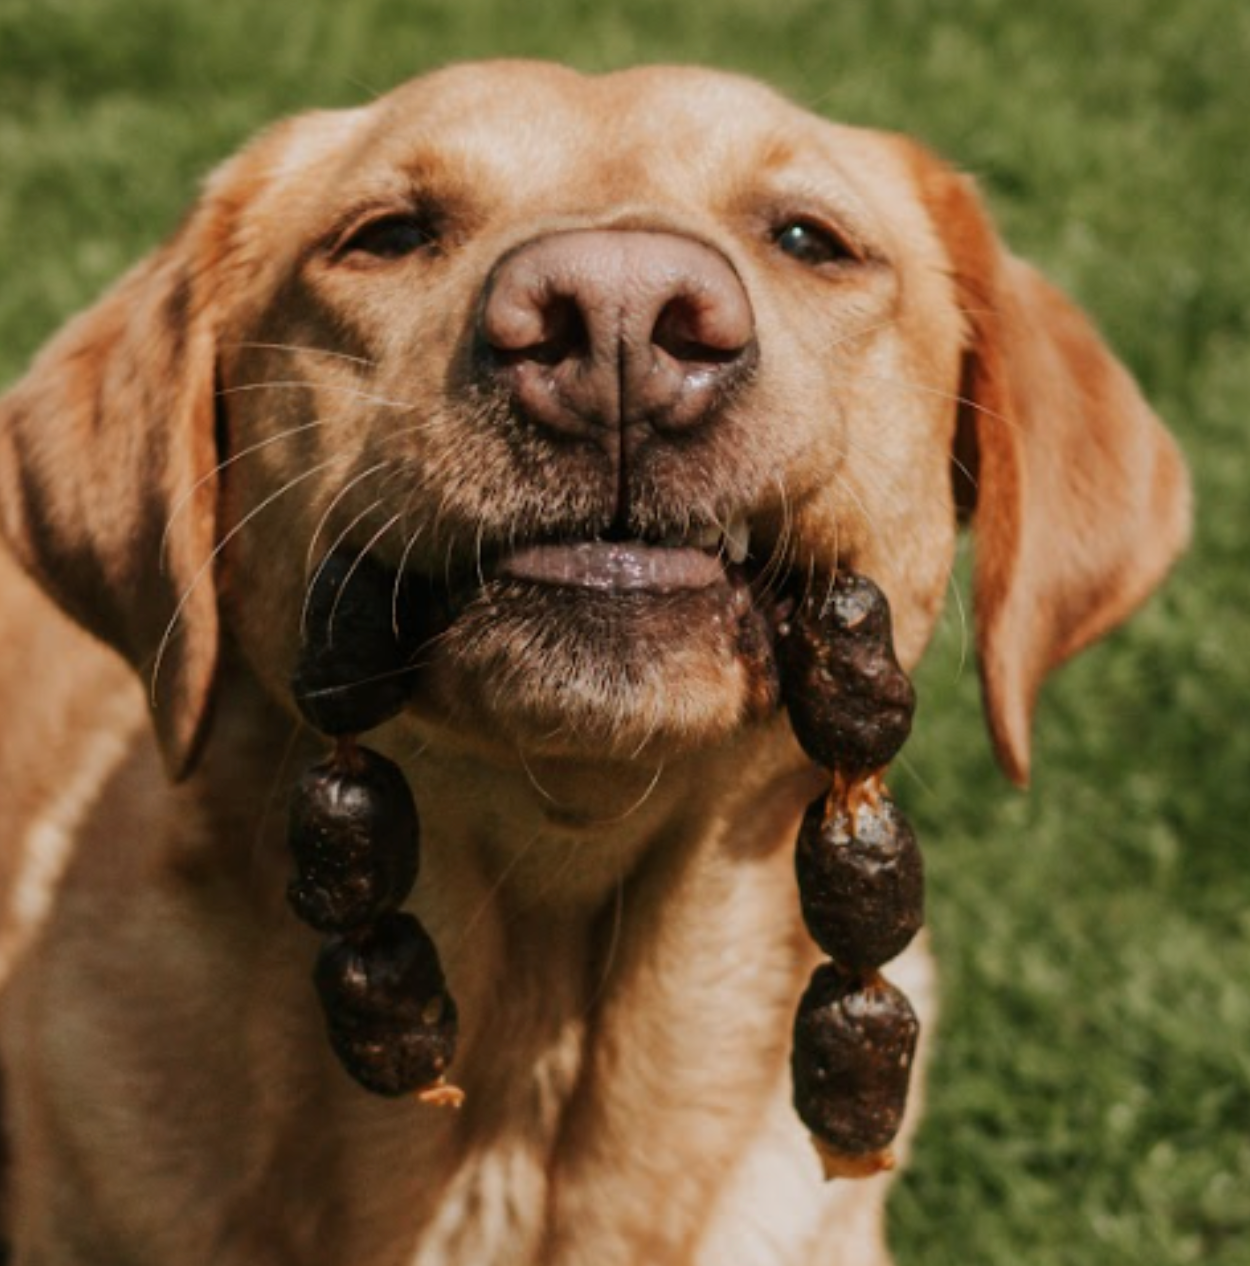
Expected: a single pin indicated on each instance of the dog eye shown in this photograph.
(391, 237)
(812, 244)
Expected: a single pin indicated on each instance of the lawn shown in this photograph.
(1090, 1101)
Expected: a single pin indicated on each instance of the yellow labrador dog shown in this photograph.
(605, 362)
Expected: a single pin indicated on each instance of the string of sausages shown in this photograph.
(355, 838)
(354, 835)
(860, 876)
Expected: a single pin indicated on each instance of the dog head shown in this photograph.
(608, 364)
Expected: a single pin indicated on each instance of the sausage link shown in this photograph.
(389, 1016)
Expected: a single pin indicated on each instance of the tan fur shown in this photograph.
(612, 892)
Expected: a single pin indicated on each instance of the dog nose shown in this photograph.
(607, 330)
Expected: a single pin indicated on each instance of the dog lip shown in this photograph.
(614, 566)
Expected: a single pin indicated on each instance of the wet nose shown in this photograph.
(610, 329)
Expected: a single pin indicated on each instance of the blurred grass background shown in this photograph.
(1091, 1096)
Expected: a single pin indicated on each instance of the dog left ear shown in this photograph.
(107, 490)
(1079, 497)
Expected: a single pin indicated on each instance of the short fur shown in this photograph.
(607, 868)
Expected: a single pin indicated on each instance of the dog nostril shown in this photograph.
(705, 329)
(702, 344)
(545, 329)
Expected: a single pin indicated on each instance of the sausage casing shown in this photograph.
(854, 1043)
(849, 701)
(389, 1016)
(861, 880)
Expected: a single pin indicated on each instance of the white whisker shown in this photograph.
(827, 601)
(952, 583)
(315, 578)
(845, 486)
(533, 778)
(212, 558)
(409, 545)
(335, 501)
(292, 384)
(299, 348)
(777, 563)
(648, 734)
(351, 571)
(634, 808)
(478, 549)
(952, 397)
(182, 501)
(479, 913)
(862, 332)
(909, 767)
(614, 941)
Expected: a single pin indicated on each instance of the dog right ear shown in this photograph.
(107, 488)
(108, 445)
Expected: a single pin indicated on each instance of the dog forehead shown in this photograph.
(539, 122)
(639, 103)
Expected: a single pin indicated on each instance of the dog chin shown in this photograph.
(570, 672)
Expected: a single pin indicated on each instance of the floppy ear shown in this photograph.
(1079, 497)
(105, 443)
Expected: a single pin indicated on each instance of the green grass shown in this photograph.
(1090, 1101)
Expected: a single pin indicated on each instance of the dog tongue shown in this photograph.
(615, 566)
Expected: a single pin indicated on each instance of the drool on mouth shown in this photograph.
(614, 567)
(692, 560)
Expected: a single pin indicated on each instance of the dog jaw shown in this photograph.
(566, 669)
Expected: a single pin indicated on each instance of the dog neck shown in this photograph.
(552, 835)
(562, 835)
(583, 913)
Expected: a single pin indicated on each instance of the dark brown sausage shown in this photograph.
(354, 669)
(390, 1019)
(354, 834)
(861, 880)
(849, 702)
(854, 1042)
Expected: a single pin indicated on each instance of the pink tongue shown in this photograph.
(614, 566)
